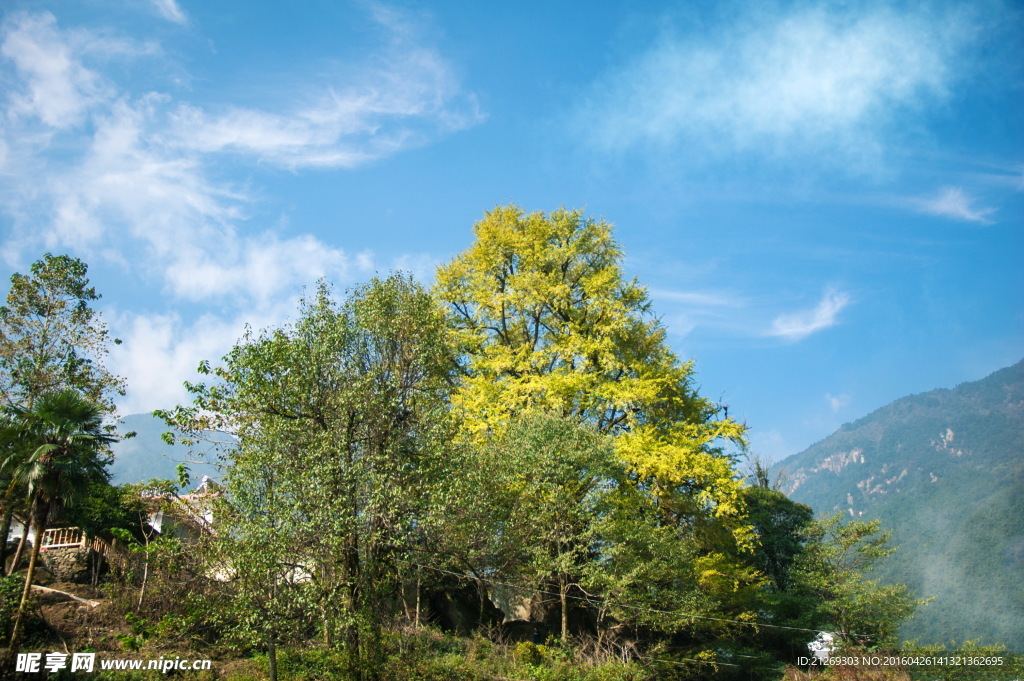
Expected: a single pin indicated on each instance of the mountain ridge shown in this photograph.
(944, 471)
(147, 456)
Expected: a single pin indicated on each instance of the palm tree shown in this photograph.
(64, 435)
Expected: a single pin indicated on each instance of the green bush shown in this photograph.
(10, 595)
(309, 664)
(531, 654)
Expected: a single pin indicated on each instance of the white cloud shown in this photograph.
(136, 179)
(170, 10)
(691, 309)
(837, 402)
(404, 97)
(954, 203)
(136, 168)
(160, 351)
(797, 325)
(262, 268)
(55, 87)
(826, 80)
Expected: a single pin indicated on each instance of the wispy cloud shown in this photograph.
(696, 298)
(89, 165)
(837, 402)
(684, 311)
(170, 10)
(56, 88)
(954, 203)
(831, 80)
(408, 97)
(798, 325)
(86, 159)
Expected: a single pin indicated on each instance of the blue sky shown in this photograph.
(825, 199)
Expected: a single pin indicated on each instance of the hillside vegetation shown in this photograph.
(944, 470)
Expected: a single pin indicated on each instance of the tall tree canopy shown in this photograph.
(548, 321)
(338, 423)
(50, 337)
(51, 341)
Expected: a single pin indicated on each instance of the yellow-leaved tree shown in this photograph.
(548, 322)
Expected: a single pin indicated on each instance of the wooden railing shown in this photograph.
(62, 538)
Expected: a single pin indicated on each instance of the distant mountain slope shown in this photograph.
(944, 470)
(147, 456)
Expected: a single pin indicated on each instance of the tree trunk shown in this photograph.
(272, 661)
(352, 638)
(145, 567)
(563, 592)
(96, 562)
(65, 594)
(417, 623)
(40, 509)
(21, 546)
(5, 529)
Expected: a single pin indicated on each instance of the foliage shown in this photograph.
(557, 474)
(339, 422)
(65, 436)
(34, 628)
(428, 655)
(547, 322)
(10, 594)
(976, 662)
(833, 569)
(779, 526)
(101, 509)
(50, 337)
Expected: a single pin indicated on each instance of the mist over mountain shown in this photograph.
(147, 456)
(944, 470)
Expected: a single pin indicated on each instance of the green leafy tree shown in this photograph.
(666, 579)
(780, 528)
(780, 525)
(338, 422)
(264, 552)
(833, 568)
(558, 473)
(50, 337)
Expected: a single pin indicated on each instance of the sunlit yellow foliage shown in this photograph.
(548, 321)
